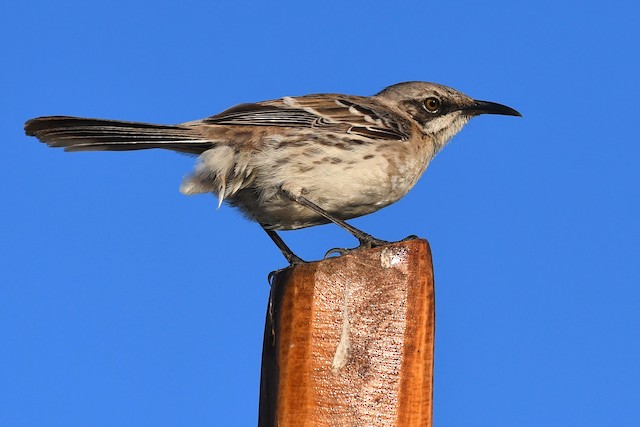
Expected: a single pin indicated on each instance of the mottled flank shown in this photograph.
(300, 161)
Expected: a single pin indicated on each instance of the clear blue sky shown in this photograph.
(124, 303)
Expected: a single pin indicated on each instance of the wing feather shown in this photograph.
(327, 112)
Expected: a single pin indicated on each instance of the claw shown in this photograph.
(338, 251)
(366, 242)
(369, 242)
(295, 260)
(272, 275)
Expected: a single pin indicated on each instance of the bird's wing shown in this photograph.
(338, 113)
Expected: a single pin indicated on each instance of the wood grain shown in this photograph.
(349, 341)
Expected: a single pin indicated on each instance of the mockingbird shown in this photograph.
(297, 162)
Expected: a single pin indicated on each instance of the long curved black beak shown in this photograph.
(487, 107)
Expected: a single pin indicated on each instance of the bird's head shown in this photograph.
(440, 111)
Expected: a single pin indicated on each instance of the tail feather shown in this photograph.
(80, 134)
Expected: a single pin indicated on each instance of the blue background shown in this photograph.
(124, 303)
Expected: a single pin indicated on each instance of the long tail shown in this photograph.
(80, 134)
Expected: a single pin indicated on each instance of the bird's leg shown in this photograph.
(366, 240)
(286, 251)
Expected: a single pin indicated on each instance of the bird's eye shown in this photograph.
(432, 105)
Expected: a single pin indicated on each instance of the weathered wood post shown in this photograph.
(349, 341)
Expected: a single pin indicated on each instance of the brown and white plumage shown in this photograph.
(347, 155)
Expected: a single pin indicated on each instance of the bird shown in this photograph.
(297, 161)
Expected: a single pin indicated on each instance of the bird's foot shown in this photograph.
(293, 261)
(338, 252)
(366, 242)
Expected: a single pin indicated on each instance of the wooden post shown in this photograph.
(349, 341)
